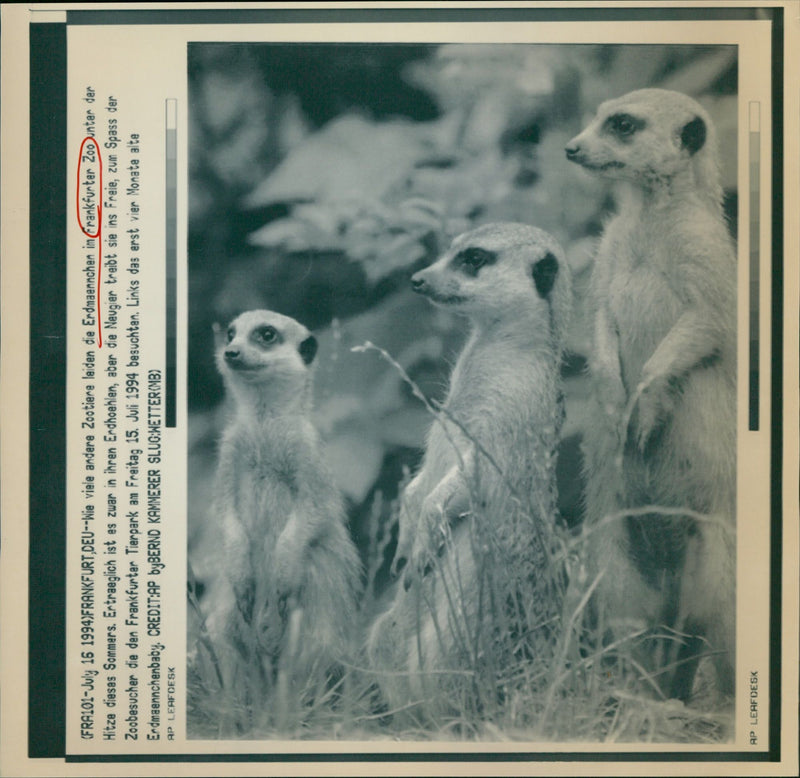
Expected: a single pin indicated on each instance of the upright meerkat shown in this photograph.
(286, 548)
(486, 492)
(663, 370)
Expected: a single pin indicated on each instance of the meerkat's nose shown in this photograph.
(417, 283)
(572, 149)
(231, 355)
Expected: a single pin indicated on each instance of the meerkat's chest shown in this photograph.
(500, 398)
(266, 484)
(637, 284)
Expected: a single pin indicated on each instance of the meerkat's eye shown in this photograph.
(231, 333)
(471, 260)
(267, 334)
(623, 125)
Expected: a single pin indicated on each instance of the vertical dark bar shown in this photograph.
(47, 391)
(754, 119)
(171, 262)
(776, 418)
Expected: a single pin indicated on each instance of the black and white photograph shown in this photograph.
(400, 388)
(462, 391)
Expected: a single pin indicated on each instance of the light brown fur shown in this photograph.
(485, 496)
(291, 572)
(663, 373)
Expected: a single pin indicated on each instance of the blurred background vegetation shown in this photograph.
(322, 176)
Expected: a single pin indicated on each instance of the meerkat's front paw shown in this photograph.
(271, 626)
(653, 408)
(405, 544)
(420, 564)
(428, 543)
(244, 589)
(434, 523)
(611, 396)
(407, 520)
(288, 575)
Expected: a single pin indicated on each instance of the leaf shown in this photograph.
(419, 212)
(699, 74)
(234, 122)
(395, 253)
(294, 234)
(350, 158)
(460, 74)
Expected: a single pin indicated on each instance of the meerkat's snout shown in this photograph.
(418, 283)
(577, 152)
(438, 285)
(232, 357)
(572, 150)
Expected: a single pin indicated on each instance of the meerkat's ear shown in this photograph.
(219, 335)
(308, 349)
(544, 274)
(693, 135)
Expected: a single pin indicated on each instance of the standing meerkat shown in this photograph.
(663, 371)
(286, 551)
(482, 507)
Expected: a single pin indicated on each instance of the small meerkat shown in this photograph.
(663, 372)
(487, 479)
(286, 552)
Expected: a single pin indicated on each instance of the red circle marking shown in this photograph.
(98, 234)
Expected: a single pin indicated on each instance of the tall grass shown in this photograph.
(526, 657)
(510, 684)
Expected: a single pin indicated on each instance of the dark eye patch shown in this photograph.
(470, 261)
(266, 335)
(231, 333)
(544, 274)
(623, 126)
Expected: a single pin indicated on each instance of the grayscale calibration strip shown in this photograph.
(170, 398)
(755, 239)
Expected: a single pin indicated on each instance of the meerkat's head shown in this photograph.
(649, 137)
(502, 272)
(266, 355)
